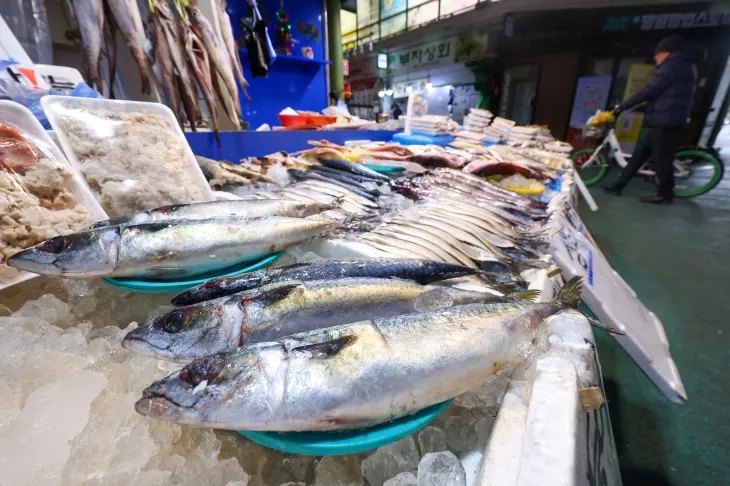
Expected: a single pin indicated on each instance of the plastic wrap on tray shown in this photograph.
(41, 195)
(133, 155)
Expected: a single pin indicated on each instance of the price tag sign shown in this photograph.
(615, 303)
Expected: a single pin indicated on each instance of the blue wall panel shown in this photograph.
(300, 85)
(238, 145)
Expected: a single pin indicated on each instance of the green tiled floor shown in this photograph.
(677, 259)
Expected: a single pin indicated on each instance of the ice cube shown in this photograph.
(460, 432)
(36, 444)
(10, 402)
(338, 471)
(48, 308)
(440, 469)
(284, 468)
(390, 460)
(47, 367)
(484, 429)
(432, 439)
(403, 479)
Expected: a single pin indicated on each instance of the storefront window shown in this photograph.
(378, 19)
(393, 25)
(422, 12)
(456, 6)
(620, 80)
(599, 67)
(389, 8)
(519, 90)
(348, 25)
(370, 33)
(368, 12)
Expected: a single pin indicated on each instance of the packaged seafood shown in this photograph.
(41, 194)
(133, 155)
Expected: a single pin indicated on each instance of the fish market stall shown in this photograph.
(405, 323)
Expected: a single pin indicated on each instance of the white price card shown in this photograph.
(615, 303)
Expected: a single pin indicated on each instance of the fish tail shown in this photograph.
(524, 295)
(570, 293)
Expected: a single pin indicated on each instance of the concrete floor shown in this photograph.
(677, 259)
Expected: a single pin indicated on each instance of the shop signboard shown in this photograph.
(429, 55)
(615, 303)
(666, 21)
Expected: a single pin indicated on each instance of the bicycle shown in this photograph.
(697, 170)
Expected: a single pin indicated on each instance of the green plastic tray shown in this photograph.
(336, 443)
(385, 169)
(163, 286)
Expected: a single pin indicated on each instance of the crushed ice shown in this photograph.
(67, 393)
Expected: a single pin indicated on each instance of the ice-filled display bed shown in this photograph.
(67, 393)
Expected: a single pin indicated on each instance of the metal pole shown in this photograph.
(334, 41)
(326, 39)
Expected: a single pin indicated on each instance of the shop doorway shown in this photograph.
(519, 93)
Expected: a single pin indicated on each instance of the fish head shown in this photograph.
(196, 16)
(182, 334)
(84, 254)
(239, 390)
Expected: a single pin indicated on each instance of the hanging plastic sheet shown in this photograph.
(29, 22)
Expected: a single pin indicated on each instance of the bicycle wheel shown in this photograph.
(696, 172)
(593, 173)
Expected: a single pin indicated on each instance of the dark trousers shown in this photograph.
(658, 145)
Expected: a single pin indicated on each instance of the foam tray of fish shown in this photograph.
(411, 291)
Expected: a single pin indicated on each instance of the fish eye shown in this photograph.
(174, 321)
(55, 245)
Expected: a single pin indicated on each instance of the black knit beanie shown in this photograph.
(671, 44)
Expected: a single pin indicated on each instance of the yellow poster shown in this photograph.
(629, 126)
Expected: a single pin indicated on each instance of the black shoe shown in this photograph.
(656, 200)
(614, 189)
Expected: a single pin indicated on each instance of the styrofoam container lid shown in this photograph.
(21, 117)
(53, 106)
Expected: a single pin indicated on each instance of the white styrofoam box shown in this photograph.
(23, 119)
(504, 448)
(551, 429)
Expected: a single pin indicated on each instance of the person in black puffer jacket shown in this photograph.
(668, 96)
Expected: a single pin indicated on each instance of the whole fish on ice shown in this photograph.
(274, 311)
(421, 271)
(213, 209)
(166, 249)
(354, 375)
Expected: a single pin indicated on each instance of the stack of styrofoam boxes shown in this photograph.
(431, 125)
(477, 120)
(499, 129)
(522, 134)
(470, 137)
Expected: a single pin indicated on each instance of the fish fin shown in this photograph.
(433, 300)
(272, 296)
(601, 325)
(326, 349)
(570, 293)
(596, 323)
(526, 295)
